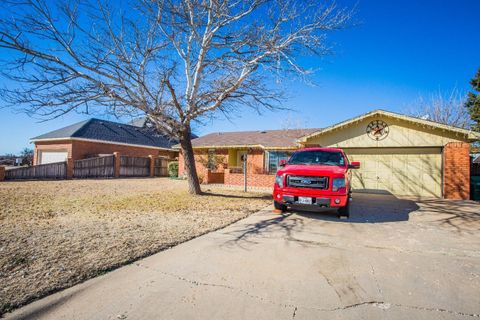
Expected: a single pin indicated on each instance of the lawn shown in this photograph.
(57, 233)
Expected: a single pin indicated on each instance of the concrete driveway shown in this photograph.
(394, 259)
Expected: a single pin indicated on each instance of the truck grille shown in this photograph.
(307, 182)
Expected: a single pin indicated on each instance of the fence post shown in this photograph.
(116, 172)
(70, 165)
(2, 173)
(152, 165)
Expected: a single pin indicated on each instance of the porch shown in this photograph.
(226, 166)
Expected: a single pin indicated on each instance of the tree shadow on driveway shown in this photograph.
(367, 208)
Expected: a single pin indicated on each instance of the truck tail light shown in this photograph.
(337, 184)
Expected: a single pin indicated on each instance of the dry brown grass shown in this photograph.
(57, 233)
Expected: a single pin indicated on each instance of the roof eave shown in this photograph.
(259, 146)
(471, 135)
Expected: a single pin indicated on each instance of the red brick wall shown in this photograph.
(253, 179)
(256, 161)
(201, 156)
(456, 175)
(81, 149)
(181, 165)
(211, 177)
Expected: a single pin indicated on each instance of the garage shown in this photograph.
(52, 156)
(402, 155)
(406, 172)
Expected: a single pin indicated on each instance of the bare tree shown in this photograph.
(446, 108)
(175, 61)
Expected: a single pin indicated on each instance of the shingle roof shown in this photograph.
(266, 139)
(102, 130)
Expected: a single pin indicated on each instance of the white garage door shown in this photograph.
(52, 156)
(402, 171)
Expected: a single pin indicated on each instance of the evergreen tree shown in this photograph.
(473, 102)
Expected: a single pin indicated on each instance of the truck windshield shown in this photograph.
(318, 157)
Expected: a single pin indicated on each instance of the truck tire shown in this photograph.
(279, 206)
(344, 211)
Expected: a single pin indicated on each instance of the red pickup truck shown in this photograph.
(315, 177)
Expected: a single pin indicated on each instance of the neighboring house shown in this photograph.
(98, 137)
(399, 154)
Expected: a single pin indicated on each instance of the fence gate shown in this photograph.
(57, 170)
(99, 167)
(134, 166)
(160, 167)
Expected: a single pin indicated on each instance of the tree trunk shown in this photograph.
(189, 159)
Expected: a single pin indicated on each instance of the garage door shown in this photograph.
(53, 156)
(410, 171)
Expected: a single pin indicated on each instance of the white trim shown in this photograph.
(103, 141)
(246, 146)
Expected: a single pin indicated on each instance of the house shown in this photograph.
(399, 154)
(95, 137)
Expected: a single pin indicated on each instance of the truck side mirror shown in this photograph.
(283, 163)
(354, 165)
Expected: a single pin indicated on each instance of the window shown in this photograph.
(274, 158)
(318, 157)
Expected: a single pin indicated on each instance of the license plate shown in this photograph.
(305, 200)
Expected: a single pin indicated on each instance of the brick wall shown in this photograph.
(212, 177)
(256, 161)
(456, 162)
(201, 157)
(253, 179)
(81, 149)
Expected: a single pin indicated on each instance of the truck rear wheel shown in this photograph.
(279, 206)
(344, 211)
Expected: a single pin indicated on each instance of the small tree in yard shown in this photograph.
(175, 61)
(473, 102)
(27, 156)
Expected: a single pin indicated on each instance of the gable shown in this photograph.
(402, 133)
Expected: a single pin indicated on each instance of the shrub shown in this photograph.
(173, 169)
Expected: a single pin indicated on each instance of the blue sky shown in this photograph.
(401, 50)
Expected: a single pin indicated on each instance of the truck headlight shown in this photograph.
(337, 184)
(279, 181)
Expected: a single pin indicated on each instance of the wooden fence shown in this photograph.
(57, 170)
(134, 166)
(99, 167)
(160, 167)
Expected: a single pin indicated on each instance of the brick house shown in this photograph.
(96, 137)
(413, 157)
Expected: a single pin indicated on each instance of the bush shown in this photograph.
(173, 169)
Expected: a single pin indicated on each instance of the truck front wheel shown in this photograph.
(344, 211)
(279, 206)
